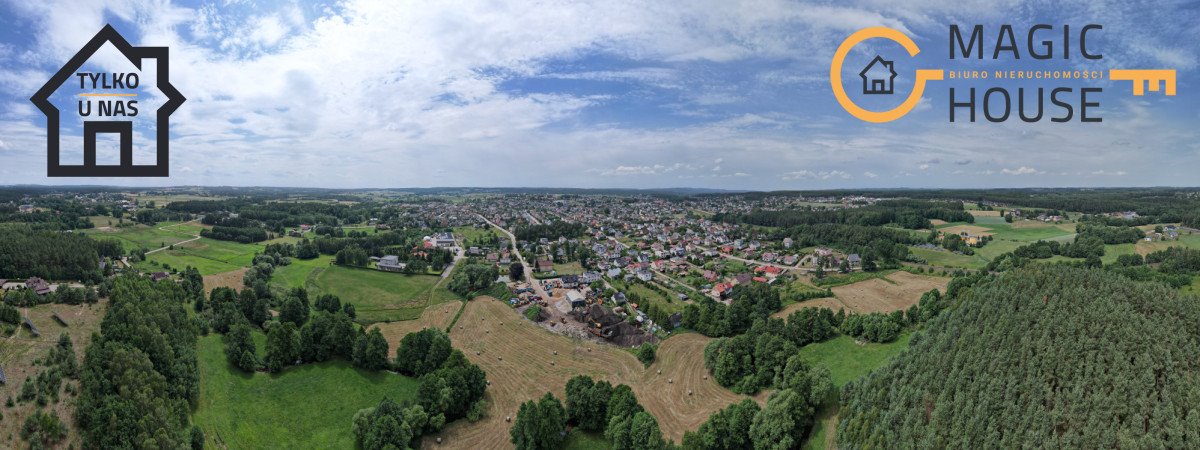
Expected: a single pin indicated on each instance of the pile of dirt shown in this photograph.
(611, 326)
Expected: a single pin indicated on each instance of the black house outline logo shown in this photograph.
(124, 129)
(878, 85)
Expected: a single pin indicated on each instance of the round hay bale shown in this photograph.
(670, 381)
(552, 363)
(556, 352)
(439, 440)
(689, 392)
(660, 371)
(508, 418)
(500, 358)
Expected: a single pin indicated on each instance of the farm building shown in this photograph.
(390, 263)
(576, 298)
(159, 276)
(38, 285)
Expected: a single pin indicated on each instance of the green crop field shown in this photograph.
(376, 296)
(308, 406)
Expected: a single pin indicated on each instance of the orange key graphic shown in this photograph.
(1142, 78)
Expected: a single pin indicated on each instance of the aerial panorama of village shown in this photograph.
(476, 318)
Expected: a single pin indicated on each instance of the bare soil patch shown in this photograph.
(231, 279)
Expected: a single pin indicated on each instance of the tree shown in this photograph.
(422, 352)
(516, 271)
(587, 402)
(727, 429)
(328, 303)
(637, 432)
(781, 425)
(294, 311)
(539, 425)
(374, 350)
(283, 346)
(239, 348)
(622, 402)
(645, 354)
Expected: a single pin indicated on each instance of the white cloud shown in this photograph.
(870, 175)
(1023, 170)
(810, 175)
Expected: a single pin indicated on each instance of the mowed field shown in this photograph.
(524, 361)
(20, 350)
(238, 410)
(437, 316)
(231, 279)
(898, 290)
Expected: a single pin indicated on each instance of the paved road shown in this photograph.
(537, 286)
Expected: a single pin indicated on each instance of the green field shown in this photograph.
(834, 279)
(580, 440)
(150, 238)
(297, 273)
(571, 268)
(209, 256)
(377, 296)
(309, 406)
(670, 305)
(1005, 238)
(846, 361)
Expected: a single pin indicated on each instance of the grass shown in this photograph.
(296, 274)
(376, 296)
(571, 268)
(834, 279)
(582, 440)
(848, 360)
(142, 236)
(1006, 237)
(308, 406)
(648, 295)
(209, 256)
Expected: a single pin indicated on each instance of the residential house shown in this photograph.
(545, 265)
(38, 285)
(390, 263)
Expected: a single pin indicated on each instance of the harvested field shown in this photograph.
(523, 361)
(877, 295)
(230, 279)
(973, 230)
(436, 316)
(978, 213)
(937, 222)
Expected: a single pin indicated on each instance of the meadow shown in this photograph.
(377, 296)
(209, 256)
(241, 410)
(846, 360)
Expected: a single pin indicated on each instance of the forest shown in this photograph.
(910, 214)
(1041, 356)
(52, 255)
(139, 377)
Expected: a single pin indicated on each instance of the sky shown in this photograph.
(606, 94)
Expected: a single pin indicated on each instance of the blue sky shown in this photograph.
(636, 94)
